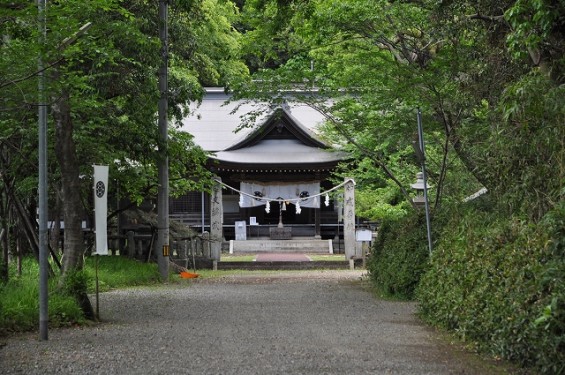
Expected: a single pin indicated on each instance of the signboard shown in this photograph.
(363, 235)
(240, 231)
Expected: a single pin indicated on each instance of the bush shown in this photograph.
(499, 282)
(19, 302)
(19, 297)
(399, 256)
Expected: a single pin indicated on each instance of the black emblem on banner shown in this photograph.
(100, 189)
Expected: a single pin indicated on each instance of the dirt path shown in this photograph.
(315, 322)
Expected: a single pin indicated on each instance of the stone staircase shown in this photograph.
(305, 246)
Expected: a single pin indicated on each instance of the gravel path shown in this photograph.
(307, 322)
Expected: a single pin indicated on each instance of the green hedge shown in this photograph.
(500, 282)
(399, 256)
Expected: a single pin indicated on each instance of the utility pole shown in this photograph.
(425, 178)
(42, 188)
(163, 164)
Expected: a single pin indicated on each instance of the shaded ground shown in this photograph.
(307, 322)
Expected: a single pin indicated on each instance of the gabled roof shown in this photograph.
(280, 124)
(214, 122)
(279, 153)
(283, 137)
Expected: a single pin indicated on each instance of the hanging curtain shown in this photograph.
(305, 193)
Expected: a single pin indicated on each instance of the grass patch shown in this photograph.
(19, 297)
(238, 258)
(327, 257)
(119, 272)
(19, 302)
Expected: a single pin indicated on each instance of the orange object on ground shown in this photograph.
(188, 275)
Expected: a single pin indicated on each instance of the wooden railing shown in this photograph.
(140, 246)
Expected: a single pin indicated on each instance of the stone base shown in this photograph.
(304, 246)
(280, 233)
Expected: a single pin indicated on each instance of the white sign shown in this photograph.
(364, 235)
(253, 220)
(240, 231)
(101, 208)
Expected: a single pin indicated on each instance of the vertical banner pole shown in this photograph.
(97, 290)
(100, 221)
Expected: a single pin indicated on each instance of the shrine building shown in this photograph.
(273, 191)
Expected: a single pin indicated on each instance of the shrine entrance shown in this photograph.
(281, 237)
(273, 177)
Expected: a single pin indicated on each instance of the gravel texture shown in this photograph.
(307, 322)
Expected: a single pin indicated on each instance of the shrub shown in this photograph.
(19, 302)
(499, 282)
(19, 297)
(399, 256)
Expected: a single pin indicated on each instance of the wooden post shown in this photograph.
(216, 222)
(317, 222)
(349, 218)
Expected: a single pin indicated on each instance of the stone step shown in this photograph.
(287, 266)
(305, 246)
(253, 266)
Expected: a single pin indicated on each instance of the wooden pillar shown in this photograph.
(318, 211)
(216, 222)
(349, 218)
(131, 244)
(317, 220)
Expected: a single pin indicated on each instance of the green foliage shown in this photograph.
(75, 283)
(499, 282)
(19, 302)
(107, 80)
(400, 255)
(488, 76)
(529, 146)
(538, 35)
(269, 26)
(19, 297)
(118, 272)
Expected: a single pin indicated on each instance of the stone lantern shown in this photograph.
(420, 186)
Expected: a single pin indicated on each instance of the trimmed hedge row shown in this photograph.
(399, 256)
(497, 282)
(500, 282)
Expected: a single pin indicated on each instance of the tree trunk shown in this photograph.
(65, 149)
(450, 127)
(4, 274)
(55, 232)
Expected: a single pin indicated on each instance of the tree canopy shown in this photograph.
(102, 93)
(488, 76)
(477, 70)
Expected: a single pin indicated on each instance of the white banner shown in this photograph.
(299, 192)
(101, 208)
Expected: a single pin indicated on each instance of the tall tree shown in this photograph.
(103, 91)
(379, 60)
